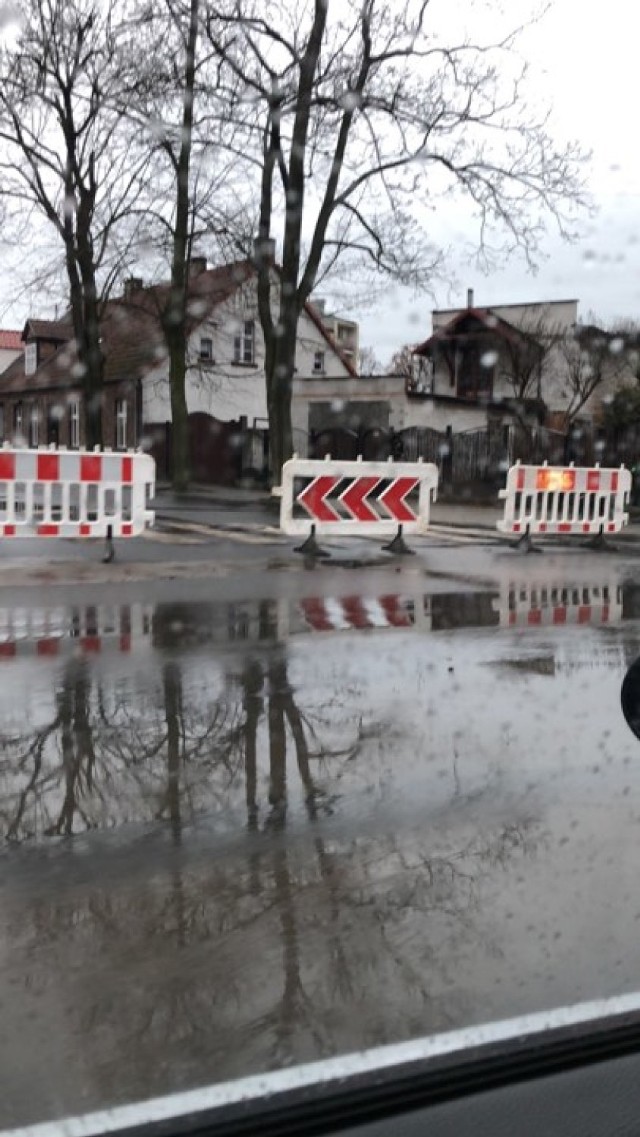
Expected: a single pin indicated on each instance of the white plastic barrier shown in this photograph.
(531, 604)
(80, 630)
(365, 499)
(75, 493)
(565, 500)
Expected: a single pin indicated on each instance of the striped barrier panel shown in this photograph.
(530, 605)
(557, 500)
(75, 493)
(354, 613)
(46, 633)
(365, 499)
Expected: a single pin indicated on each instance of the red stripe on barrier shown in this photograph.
(355, 612)
(586, 528)
(584, 614)
(127, 470)
(614, 482)
(593, 480)
(90, 468)
(126, 530)
(125, 643)
(91, 644)
(9, 530)
(85, 530)
(513, 616)
(543, 527)
(48, 530)
(48, 468)
(535, 616)
(605, 613)
(611, 528)
(520, 480)
(316, 615)
(47, 647)
(516, 527)
(8, 649)
(7, 467)
(564, 527)
(559, 615)
(395, 611)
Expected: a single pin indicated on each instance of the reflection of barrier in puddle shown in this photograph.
(87, 630)
(527, 605)
(355, 613)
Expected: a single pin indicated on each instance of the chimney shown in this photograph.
(469, 297)
(197, 265)
(131, 285)
(264, 248)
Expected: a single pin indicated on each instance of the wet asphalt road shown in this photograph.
(296, 814)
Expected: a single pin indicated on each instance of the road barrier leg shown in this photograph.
(398, 545)
(524, 544)
(109, 552)
(601, 543)
(310, 547)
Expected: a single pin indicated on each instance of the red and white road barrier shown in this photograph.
(365, 499)
(75, 493)
(557, 500)
(46, 633)
(530, 605)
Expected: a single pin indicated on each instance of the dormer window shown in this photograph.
(30, 358)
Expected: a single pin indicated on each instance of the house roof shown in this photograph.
(10, 340)
(132, 338)
(490, 322)
(56, 330)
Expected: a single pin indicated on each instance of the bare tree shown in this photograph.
(352, 122)
(63, 157)
(369, 362)
(591, 359)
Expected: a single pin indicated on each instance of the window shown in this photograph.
(244, 343)
(121, 424)
(318, 363)
(34, 426)
(74, 424)
(206, 349)
(30, 358)
(17, 419)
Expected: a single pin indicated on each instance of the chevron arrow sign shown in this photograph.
(364, 498)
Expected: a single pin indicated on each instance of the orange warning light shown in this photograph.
(555, 481)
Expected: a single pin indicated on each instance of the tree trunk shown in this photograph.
(279, 387)
(180, 472)
(176, 312)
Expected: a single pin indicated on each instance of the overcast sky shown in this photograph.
(586, 65)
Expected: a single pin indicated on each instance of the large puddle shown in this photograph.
(242, 836)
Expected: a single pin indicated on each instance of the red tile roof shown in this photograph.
(10, 340)
(132, 338)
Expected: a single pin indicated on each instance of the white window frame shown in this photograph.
(74, 424)
(121, 424)
(34, 426)
(206, 349)
(244, 343)
(31, 358)
(319, 367)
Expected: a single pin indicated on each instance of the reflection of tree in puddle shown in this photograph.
(300, 942)
(114, 753)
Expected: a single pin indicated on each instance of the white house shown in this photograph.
(42, 401)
